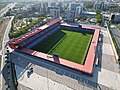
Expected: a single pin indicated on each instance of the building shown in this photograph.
(79, 10)
(48, 74)
(53, 4)
(70, 16)
(45, 7)
(89, 14)
(25, 42)
(99, 5)
(43, 66)
(115, 18)
(73, 5)
(38, 7)
(77, 7)
(60, 5)
(110, 4)
(29, 6)
(55, 13)
(51, 7)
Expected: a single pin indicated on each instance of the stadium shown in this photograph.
(67, 45)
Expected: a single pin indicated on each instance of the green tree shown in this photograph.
(99, 16)
(98, 11)
(30, 20)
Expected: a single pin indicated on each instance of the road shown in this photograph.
(3, 64)
(4, 10)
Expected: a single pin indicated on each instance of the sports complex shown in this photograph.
(67, 45)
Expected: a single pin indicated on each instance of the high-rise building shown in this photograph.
(53, 4)
(103, 4)
(99, 5)
(38, 7)
(110, 4)
(51, 7)
(77, 7)
(45, 7)
(74, 5)
(55, 13)
(70, 16)
(79, 10)
(60, 5)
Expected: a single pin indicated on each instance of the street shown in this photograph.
(3, 64)
(4, 10)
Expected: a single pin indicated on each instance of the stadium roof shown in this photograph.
(20, 39)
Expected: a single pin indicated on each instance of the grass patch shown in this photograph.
(67, 44)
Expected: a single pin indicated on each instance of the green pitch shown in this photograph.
(67, 44)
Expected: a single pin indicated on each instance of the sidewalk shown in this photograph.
(46, 84)
(0, 52)
(108, 78)
(113, 47)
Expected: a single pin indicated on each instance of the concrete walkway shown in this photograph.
(108, 73)
(40, 82)
(111, 41)
(108, 78)
(0, 52)
(107, 49)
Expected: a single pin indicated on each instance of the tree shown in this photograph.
(98, 11)
(99, 16)
(30, 20)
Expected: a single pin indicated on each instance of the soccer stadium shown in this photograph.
(67, 45)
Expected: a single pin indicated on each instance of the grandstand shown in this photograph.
(29, 40)
(33, 35)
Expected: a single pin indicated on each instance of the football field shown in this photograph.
(69, 45)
